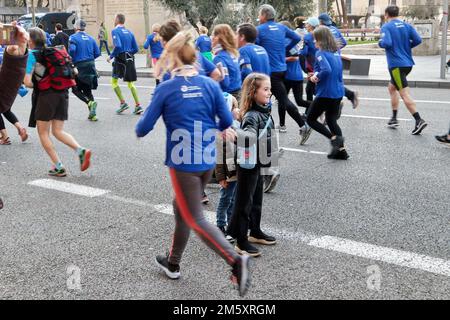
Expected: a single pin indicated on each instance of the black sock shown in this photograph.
(394, 114)
(416, 116)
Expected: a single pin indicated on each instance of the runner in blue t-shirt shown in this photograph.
(398, 38)
(204, 44)
(325, 20)
(155, 44)
(272, 36)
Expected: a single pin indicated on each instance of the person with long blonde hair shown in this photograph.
(203, 44)
(189, 104)
(226, 57)
(154, 43)
(256, 120)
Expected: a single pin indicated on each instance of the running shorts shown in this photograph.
(398, 77)
(124, 67)
(52, 105)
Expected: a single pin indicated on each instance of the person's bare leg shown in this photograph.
(395, 99)
(408, 100)
(43, 128)
(21, 130)
(64, 137)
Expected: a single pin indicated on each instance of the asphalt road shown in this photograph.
(386, 210)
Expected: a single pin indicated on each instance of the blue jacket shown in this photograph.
(156, 47)
(253, 58)
(189, 108)
(309, 51)
(204, 66)
(329, 71)
(272, 37)
(398, 38)
(232, 80)
(338, 36)
(203, 43)
(294, 71)
(82, 47)
(124, 41)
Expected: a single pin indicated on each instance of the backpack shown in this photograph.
(60, 71)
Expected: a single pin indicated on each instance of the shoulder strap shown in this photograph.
(265, 128)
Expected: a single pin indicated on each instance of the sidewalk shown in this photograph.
(425, 73)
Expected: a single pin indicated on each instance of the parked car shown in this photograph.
(49, 20)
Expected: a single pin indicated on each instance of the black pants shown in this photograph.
(247, 205)
(284, 104)
(11, 117)
(104, 43)
(310, 90)
(83, 92)
(297, 90)
(331, 109)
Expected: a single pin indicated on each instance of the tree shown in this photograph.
(196, 11)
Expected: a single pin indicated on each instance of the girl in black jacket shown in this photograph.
(255, 114)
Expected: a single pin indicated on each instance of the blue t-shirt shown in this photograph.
(309, 51)
(398, 39)
(272, 37)
(31, 62)
(2, 51)
(232, 79)
(156, 47)
(329, 71)
(189, 107)
(204, 67)
(203, 43)
(293, 71)
(124, 41)
(82, 47)
(48, 39)
(253, 58)
(338, 36)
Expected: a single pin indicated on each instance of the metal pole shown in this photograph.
(147, 31)
(33, 14)
(444, 38)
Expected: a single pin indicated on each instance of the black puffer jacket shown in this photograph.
(252, 126)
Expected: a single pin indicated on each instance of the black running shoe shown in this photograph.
(172, 271)
(223, 229)
(340, 155)
(419, 127)
(205, 199)
(262, 238)
(393, 123)
(241, 276)
(247, 249)
(270, 182)
(443, 139)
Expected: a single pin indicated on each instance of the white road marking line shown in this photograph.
(417, 101)
(304, 151)
(370, 117)
(388, 255)
(96, 98)
(124, 86)
(359, 249)
(69, 188)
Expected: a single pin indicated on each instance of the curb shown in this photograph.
(348, 81)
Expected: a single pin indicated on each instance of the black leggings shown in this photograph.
(349, 94)
(331, 109)
(310, 90)
(83, 92)
(248, 204)
(284, 104)
(297, 89)
(11, 117)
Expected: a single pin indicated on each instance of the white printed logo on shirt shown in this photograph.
(191, 92)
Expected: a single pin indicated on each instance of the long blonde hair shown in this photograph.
(227, 38)
(251, 84)
(178, 52)
(155, 30)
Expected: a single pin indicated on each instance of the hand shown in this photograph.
(223, 184)
(314, 79)
(310, 74)
(229, 135)
(108, 60)
(22, 38)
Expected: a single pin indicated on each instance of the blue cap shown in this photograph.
(325, 19)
